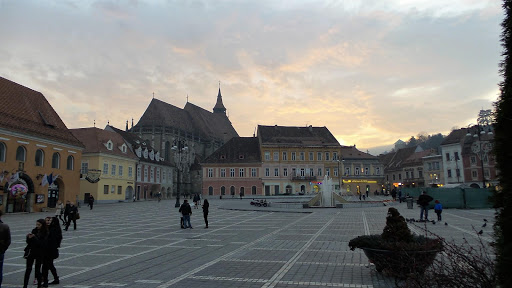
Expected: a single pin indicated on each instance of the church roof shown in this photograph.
(219, 106)
(28, 112)
(296, 136)
(192, 120)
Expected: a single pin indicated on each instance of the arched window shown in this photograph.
(222, 190)
(70, 163)
(242, 191)
(210, 190)
(2, 151)
(56, 160)
(232, 190)
(39, 157)
(21, 154)
(253, 190)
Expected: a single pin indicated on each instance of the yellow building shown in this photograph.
(107, 166)
(38, 154)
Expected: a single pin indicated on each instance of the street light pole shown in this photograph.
(180, 152)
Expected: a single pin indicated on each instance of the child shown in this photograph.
(438, 208)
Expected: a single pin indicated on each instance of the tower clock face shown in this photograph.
(475, 147)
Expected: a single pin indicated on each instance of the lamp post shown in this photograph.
(340, 179)
(481, 147)
(180, 149)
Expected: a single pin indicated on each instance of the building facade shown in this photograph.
(361, 172)
(39, 157)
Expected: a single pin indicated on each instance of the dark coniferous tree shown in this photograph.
(503, 153)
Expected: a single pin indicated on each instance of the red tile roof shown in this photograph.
(95, 140)
(26, 111)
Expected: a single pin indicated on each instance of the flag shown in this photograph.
(55, 178)
(45, 180)
(1, 177)
(50, 178)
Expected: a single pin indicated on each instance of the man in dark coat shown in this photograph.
(73, 211)
(66, 212)
(91, 201)
(186, 211)
(5, 241)
(424, 201)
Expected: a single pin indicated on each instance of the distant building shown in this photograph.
(394, 164)
(39, 157)
(433, 170)
(362, 172)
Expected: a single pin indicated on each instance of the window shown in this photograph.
(457, 172)
(276, 156)
(406, 174)
(347, 170)
(2, 152)
(319, 172)
(327, 171)
(113, 189)
(222, 190)
(456, 156)
(210, 172)
(336, 171)
(253, 190)
(449, 173)
(485, 158)
(267, 172)
(302, 172)
(285, 172)
(267, 155)
(311, 158)
(319, 156)
(293, 156)
(394, 177)
(157, 180)
(285, 156)
(130, 171)
(210, 191)
(473, 160)
(241, 172)
(327, 156)
(222, 172)
(335, 156)
(474, 174)
(447, 156)
(56, 160)
(436, 165)
(357, 172)
(39, 157)
(70, 163)
(302, 156)
(276, 172)
(420, 174)
(377, 170)
(399, 176)
(120, 171)
(486, 173)
(119, 190)
(110, 146)
(85, 168)
(311, 172)
(231, 172)
(146, 176)
(113, 170)
(105, 168)
(366, 170)
(139, 173)
(151, 174)
(253, 172)
(429, 166)
(21, 154)
(105, 189)
(412, 174)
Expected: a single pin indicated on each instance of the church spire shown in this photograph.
(219, 107)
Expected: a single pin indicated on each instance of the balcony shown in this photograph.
(303, 178)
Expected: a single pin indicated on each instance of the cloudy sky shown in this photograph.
(372, 71)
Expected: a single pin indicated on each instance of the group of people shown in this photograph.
(70, 213)
(424, 201)
(186, 212)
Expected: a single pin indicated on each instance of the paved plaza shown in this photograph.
(140, 244)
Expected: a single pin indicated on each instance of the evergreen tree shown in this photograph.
(503, 152)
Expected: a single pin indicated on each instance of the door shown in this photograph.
(53, 195)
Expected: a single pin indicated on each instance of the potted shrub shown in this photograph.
(397, 251)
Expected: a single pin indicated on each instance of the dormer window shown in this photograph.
(157, 156)
(138, 151)
(222, 156)
(241, 156)
(146, 153)
(109, 145)
(123, 148)
(152, 155)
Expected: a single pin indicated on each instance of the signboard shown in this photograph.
(39, 198)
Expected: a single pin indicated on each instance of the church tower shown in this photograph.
(219, 107)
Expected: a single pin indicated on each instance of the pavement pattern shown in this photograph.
(140, 244)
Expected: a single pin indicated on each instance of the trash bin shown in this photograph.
(409, 203)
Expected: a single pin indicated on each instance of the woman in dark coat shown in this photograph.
(206, 205)
(54, 240)
(35, 251)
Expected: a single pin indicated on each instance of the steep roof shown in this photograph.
(237, 150)
(26, 111)
(192, 119)
(455, 137)
(219, 106)
(351, 152)
(95, 139)
(396, 159)
(296, 136)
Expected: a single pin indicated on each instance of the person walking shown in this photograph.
(91, 201)
(35, 251)
(73, 211)
(438, 208)
(59, 211)
(196, 200)
(186, 211)
(5, 242)
(424, 201)
(54, 240)
(206, 206)
(66, 212)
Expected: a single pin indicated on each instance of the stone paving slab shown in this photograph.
(141, 245)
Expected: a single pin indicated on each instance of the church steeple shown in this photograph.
(219, 107)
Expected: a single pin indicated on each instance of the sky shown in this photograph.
(371, 71)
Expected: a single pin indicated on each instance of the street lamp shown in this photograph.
(340, 179)
(180, 149)
(481, 147)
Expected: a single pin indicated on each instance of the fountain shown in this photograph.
(327, 192)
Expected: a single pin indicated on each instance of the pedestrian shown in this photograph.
(73, 212)
(199, 199)
(186, 211)
(91, 201)
(59, 211)
(438, 208)
(206, 206)
(196, 200)
(367, 192)
(52, 252)
(424, 201)
(400, 195)
(66, 212)
(393, 194)
(35, 251)
(133, 198)
(5, 241)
